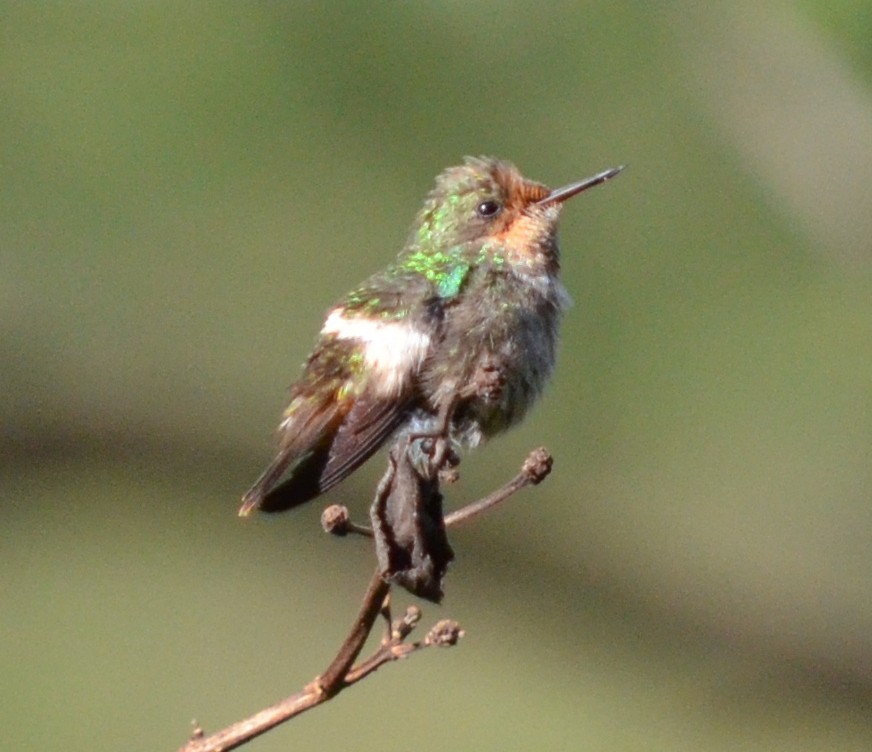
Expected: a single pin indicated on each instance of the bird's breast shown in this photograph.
(508, 328)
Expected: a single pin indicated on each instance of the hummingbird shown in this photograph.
(457, 336)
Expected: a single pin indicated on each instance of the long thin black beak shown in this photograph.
(568, 191)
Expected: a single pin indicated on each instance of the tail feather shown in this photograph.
(254, 495)
(302, 445)
(303, 484)
(346, 439)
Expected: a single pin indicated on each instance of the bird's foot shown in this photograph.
(432, 455)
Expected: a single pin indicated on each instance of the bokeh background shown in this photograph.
(187, 188)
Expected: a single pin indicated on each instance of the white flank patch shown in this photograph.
(394, 350)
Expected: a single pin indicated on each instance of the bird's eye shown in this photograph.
(488, 208)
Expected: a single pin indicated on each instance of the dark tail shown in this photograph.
(338, 454)
(302, 486)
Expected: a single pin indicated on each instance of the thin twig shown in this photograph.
(327, 685)
(334, 679)
(331, 681)
(341, 672)
(536, 468)
(444, 633)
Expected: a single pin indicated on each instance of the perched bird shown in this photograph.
(456, 336)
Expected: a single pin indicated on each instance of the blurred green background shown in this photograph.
(185, 191)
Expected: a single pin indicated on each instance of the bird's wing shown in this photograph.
(359, 435)
(368, 425)
(358, 410)
(304, 441)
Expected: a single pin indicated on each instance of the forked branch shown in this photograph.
(342, 671)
